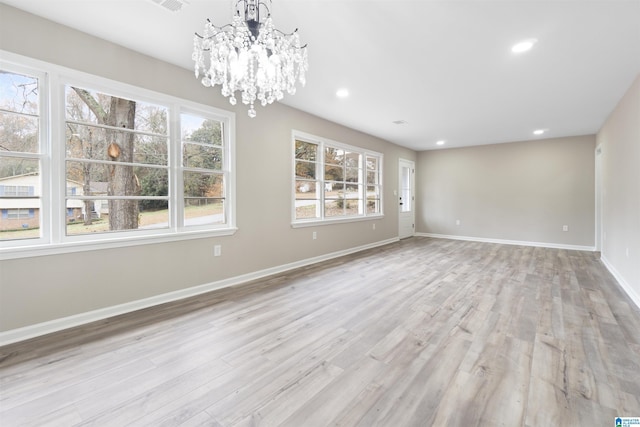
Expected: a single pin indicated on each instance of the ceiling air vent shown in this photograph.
(172, 5)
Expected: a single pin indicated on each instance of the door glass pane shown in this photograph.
(406, 189)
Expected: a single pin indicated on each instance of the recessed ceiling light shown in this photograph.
(523, 46)
(342, 93)
(441, 142)
(538, 132)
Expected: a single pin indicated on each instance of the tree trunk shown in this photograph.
(123, 214)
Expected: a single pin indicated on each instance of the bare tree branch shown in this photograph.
(93, 105)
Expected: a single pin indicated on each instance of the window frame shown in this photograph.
(322, 143)
(53, 80)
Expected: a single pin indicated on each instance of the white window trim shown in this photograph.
(54, 240)
(300, 223)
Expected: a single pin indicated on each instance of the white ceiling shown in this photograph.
(444, 67)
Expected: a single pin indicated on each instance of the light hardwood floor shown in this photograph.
(423, 332)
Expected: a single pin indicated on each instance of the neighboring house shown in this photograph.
(20, 201)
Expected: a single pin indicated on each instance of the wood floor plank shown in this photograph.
(416, 333)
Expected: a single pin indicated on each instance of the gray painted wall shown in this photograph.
(521, 191)
(619, 140)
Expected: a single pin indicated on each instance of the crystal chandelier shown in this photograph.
(250, 56)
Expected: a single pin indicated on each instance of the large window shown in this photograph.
(117, 150)
(334, 181)
(110, 163)
(21, 148)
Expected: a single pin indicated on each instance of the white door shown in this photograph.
(406, 199)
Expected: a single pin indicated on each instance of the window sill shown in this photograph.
(317, 222)
(119, 242)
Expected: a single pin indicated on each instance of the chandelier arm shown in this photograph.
(222, 28)
(288, 34)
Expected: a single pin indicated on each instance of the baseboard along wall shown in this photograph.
(39, 329)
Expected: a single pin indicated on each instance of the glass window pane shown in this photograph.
(103, 216)
(152, 181)
(198, 184)
(87, 178)
(352, 191)
(306, 151)
(89, 106)
(405, 190)
(19, 93)
(86, 142)
(307, 209)
(19, 133)
(306, 189)
(333, 156)
(333, 190)
(372, 177)
(333, 173)
(151, 118)
(20, 204)
(373, 206)
(372, 163)
(203, 211)
(353, 207)
(90, 142)
(353, 175)
(305, 169)
(199, 129)
(11, 168)
(20, 223)
(202, 156)
(352, 160)
(154, 214)
(151, 150)
(333, 208)
(94, 179)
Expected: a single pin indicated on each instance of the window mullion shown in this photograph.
(56, 156)
(320, 174)
(176, 178)
(362, 185)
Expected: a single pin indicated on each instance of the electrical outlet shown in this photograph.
(217, 250)
(457, 222)
(565, 228)
(374, 225)
(314, 235)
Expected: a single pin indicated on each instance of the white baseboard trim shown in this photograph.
(32, 331)
(510, 242)
(623, 283)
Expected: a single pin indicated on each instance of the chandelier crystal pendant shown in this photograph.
(250, 56)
